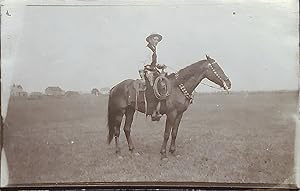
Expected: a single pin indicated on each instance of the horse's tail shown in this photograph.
(110, 119)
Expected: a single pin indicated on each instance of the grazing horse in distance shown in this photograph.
(182, 85)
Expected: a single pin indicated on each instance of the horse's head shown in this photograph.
(215, 74)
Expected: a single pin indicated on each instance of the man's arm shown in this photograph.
(161, 66)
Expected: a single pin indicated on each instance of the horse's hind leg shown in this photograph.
(127, 126)
(118, 121)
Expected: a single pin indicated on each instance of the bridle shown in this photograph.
(218, 76)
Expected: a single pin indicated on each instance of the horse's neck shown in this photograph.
(192, 79)
(193, 82)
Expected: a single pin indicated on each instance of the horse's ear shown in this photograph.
(207, 57)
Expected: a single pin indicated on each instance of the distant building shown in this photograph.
(36, 94)
(54, 91)
(72, 93)
(95, 92)
(105, 91)
(17, 90)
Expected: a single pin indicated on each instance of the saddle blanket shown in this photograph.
(137, 93)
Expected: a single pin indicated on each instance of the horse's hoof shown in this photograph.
(172, 151)
(164, 157)
(136, 154)
(120, 157)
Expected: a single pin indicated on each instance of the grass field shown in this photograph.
(245, 138)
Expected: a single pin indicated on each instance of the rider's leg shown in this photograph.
(150, 77)
(142, 75)
(158, 109)
(156, 113)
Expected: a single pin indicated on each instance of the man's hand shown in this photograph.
(161, 66)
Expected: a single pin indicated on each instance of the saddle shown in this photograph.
(139, 93)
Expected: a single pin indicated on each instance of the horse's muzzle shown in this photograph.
(227, 85)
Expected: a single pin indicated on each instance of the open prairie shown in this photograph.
(240, 137)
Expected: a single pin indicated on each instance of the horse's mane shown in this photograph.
(187, 72)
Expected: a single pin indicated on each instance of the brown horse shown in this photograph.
(183, 84)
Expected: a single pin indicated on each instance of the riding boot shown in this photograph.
(142, 75)
(156, 114)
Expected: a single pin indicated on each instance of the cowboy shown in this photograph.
(152, 68)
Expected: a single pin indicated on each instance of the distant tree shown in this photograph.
(54, 91)
(95, 91)
(72, 93)
(105, 91)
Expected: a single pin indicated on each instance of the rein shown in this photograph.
(211, 86)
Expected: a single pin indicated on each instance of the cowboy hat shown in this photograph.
(152, 36)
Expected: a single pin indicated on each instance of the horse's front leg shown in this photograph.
(169, 124)
(174, 132)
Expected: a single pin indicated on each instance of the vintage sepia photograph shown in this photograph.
(157, 92)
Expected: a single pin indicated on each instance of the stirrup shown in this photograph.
(156, 116)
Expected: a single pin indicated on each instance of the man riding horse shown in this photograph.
(150, 70)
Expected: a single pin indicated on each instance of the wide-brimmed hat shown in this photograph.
(154, 35)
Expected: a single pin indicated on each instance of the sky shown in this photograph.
(82, 47)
